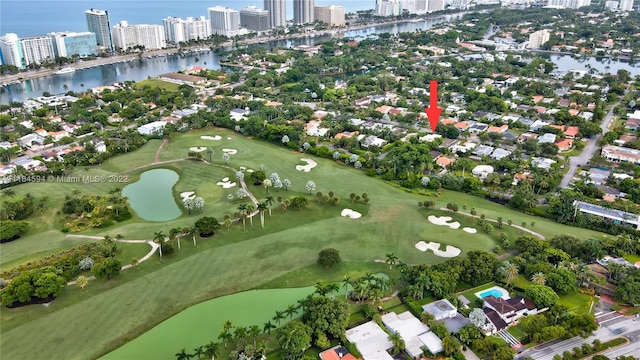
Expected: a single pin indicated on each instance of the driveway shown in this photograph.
(589, 149)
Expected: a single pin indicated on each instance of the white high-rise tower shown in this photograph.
(303, 11)
(277, 12)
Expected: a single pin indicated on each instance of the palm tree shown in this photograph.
(261, 208)
(158, 237)
(397, 341)
(174, 234)
(225, 336)
(268, 326)
(346, 281)
(279, 316)
(250, 208)
(253, 332)
(227, 221)
(241, 335)
(9, 193)
(290, 311)
(538, 278)
(269, 201)
(391, 260)
(211, 350)
(510, 271)
(193, 231)
(242, 208)
(182, 355)
(198, 352)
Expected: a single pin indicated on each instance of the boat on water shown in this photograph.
(66, 70)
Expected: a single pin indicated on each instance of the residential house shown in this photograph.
(617, 216)
(498, 129)
(346, 135)
(363, 102)
(371, 341)
(564, 144)
(29, 139)
(178, 78)
(502, 313)
(238, 114)
(626, 139)
(461, 126)
(151, 128)
(482, 171)
(537, 125)
(597, 176)
(337, 353)
(482, 150)
(444, 161)
(617, 154)
(313, 129)
(499, 154)
(547, 138)
(478, 128)
(571, 132)
(542, 163)
(632, 124)
(527, 136)
(411, 329)
(443, 310)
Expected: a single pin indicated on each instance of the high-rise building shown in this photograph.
(408, 6)
(98, 23)
(68, 44)
(538, 38)
(254, 19)
(388, 8)
(331, 15)
(611, 5)
(37, 49)
(224, 21)
(277, 12)
(421, 6)
(149, 37)
(303, 11)
(177, 30)
(11, 49)
(435, 5)
(569, 4)
(626, 5)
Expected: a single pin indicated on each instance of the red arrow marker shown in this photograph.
(433, 111)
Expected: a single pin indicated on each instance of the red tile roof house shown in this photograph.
(564, 144)
(498, 129)
(571, 132)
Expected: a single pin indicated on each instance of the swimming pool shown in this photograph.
(492, 292)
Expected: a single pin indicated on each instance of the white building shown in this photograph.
(277, 12)
(371, 341)
(435, 5)
(37, 49)
(152, 127)
(11, 50)
(388, 7)
(68, 44)
(611, 5)
(178, 30)
(569, 4)
(617, 153)
(626, 5)
(254, 19)
(408, 6)
(303, 11)
(414, 333)
(224, 21)
(331, 15)
(98, 23)
(538, 38)
(127, 36)
(482, 171)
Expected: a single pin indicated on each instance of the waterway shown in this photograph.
(140, 69)
(151, 197)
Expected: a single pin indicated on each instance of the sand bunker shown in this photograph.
(230, 151)
(443, 221)
(206, 137)
(250, 170)
(198, 148)
(229, 138)
(351, 214)
(451, 251)
(187, 194)
(469, 230)
(225, 183)
(306, 168)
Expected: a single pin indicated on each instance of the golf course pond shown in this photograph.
(151, 197)
(202, 322)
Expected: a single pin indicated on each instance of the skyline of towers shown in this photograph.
(98, 23)
(303, 11)
(277, 12)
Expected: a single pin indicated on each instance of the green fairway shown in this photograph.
(108, 314)
(203, 322)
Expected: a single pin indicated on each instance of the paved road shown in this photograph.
(589, 149)
(631, 331)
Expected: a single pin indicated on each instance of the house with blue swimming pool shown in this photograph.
(502, 311)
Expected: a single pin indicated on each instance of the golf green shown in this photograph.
(202, 322)
(151, 197)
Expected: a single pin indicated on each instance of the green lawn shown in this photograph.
(516, 332)
(157, 83)
(107, 314)
(632, 258)
(580, 303)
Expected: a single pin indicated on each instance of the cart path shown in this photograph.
(155, 157)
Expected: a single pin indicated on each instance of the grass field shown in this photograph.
(157, 83)
(108, 314)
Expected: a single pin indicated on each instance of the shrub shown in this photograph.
(206, 226)
(30, 286)
(11, 230)
(107, 268)
(86, 263)
(329, 258)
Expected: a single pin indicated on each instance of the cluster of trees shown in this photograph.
(557, 323)
(11, 230)
(104, 211)
(34, 286)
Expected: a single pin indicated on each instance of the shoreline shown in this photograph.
(35, 74)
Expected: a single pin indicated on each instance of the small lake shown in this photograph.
(202, 322)
(151, 197)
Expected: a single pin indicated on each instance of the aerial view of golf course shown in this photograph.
(179, 282)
